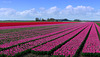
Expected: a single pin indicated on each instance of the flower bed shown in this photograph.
(33, 38)
(92, 45)
(70, 48)
(30, 23)
(23, 47)
(58, 40)
(14, 36)
(49, 47)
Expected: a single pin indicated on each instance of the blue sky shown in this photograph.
(30, 9)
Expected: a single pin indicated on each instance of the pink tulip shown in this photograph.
(92, 43)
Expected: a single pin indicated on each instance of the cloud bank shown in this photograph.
(70, 12)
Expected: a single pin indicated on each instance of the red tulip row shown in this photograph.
(70, 48)
(31, 23)
(92, 45)
(29, 26)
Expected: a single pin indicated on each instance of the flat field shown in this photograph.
(49, 39)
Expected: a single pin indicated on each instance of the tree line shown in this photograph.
(54, 20)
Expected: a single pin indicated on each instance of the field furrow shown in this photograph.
(62, 39)
(92, 45)
(27, 46)
(49, 47)
(70, 48)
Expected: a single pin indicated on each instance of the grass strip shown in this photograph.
(97, 32)
(98, 24)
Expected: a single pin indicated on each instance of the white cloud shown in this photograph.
(70, 12)
(7, 12)
(69, 6)
(27, 12)
(52, 10)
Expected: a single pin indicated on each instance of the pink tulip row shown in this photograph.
(26, 31)
(71, 47)
(92, 44)
(50, 45)
(23, 47)
(39, 29)
(23, 35)
(29, 39)
(27, 34)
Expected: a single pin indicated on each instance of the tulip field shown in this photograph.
(55, 39)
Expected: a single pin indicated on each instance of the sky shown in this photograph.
(59, 9)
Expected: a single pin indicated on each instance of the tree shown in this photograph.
(37, 19)
(77, 20)
(51, 19)
(43, 19)
(48, 19)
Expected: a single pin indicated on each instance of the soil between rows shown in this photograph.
(35, 55)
